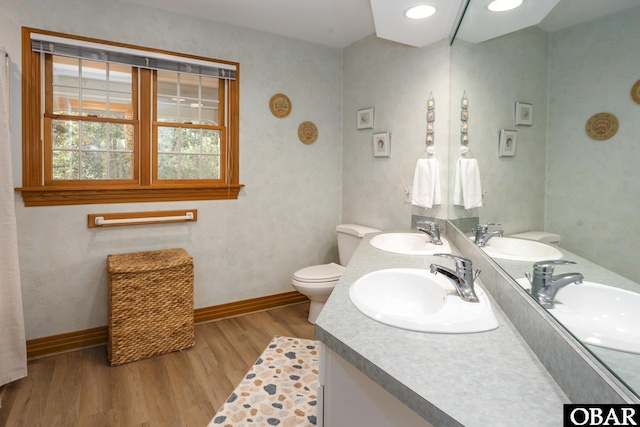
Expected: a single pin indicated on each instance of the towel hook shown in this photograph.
(431, 150)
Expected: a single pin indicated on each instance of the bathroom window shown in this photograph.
(108, 123)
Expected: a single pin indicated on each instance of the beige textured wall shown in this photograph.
(284, 218)
(593, 188)
(396, 80)
(495, 74)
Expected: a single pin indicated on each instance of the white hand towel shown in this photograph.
(426, 184)
(467, 190)
(457, 185)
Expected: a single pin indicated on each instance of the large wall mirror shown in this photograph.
(570, 176)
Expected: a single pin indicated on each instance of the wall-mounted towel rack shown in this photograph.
(137, 218)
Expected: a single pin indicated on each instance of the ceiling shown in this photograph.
(339, 23)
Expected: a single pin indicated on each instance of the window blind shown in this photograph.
(135, 57)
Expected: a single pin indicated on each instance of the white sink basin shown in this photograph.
(417, 300)
(599, 315)
(409, 244)
(520, 250)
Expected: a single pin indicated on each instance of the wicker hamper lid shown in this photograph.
(148, 260)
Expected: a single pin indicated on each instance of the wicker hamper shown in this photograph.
(150, 304)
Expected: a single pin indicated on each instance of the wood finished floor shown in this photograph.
(176, 389)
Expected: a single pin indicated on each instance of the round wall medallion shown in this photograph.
(635, 92)
(602, 126)
(307, 132)
(280, 105)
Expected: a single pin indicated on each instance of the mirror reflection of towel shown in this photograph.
(467, 190)
(426, 184)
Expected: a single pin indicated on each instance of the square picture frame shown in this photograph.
(365, 118)
(524, 114)
(381, 144)
(507, 143)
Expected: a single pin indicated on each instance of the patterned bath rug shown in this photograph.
(279, 390)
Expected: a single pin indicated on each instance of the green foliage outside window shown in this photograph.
(92, 150)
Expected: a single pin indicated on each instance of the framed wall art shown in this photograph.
(381, 144)
(365, 118)
(524, 114)
(507, 143)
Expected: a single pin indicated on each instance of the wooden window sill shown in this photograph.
(48, 196)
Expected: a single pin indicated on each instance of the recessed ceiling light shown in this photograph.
(504, 5)
(420, 12)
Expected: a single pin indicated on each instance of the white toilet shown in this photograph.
(317, 282)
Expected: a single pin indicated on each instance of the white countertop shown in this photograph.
(488, 378)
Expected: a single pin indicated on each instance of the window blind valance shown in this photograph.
(137, 58)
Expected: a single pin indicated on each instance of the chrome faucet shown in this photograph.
(483, 235)
(462, 279)
(544, 285)
(432, 230)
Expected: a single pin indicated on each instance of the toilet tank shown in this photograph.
(349, 237)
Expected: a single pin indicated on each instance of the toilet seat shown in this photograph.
(319, 273)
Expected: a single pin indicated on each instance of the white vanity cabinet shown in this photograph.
(351, 399)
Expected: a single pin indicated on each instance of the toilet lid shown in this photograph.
(319, 273)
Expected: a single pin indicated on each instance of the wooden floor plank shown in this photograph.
(128, 401)
(211, 376)
(95, 398)
(25, 400)
(66, 381)
(189, 392)
(178, 389)
(237, 336)
(159, 395)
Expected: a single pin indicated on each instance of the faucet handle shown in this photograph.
(460, 262)
(545, 268)
(485, 227)
(430, 225)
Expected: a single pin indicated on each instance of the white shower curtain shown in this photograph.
(13, 352)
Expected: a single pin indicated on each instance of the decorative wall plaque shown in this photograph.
(602, 126)
(464, 119)
(280, 105)
(431, 118)
(635, 92)
(308, 132)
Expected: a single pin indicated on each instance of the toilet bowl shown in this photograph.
(317, 281)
